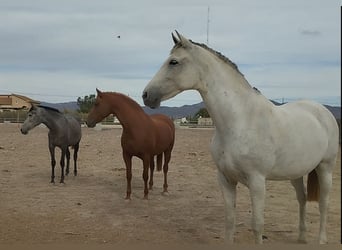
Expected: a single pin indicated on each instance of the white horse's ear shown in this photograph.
(181, 40)
(175, 39)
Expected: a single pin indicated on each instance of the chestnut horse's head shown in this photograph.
(99, 111)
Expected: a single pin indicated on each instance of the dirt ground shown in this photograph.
(91, 208)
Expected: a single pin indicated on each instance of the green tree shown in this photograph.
(203, 112)
(86, 103)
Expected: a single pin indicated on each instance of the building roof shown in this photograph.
(6, 101)
(27, 99)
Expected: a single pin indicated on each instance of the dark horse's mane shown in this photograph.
(46, 107)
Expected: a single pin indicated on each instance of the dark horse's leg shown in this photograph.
(62, 162)
(67, 153)
(53, 162)
(128, 162)
(151, 172)
(76, 147)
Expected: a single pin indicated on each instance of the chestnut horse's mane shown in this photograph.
(127, 98)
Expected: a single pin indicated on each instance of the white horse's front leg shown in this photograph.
(228, 188)
(256, 185)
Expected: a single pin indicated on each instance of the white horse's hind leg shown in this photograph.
(257, 191)
(228, 189)
(298, 184)
(324, 172)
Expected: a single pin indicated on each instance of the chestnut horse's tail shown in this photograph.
(313, 186)
(159, 161)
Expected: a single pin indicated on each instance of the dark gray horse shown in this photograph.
(64, 131)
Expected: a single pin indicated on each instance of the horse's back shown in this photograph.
(74, 126)
(314, 124)
(317, 111)
(163, 119)
(327, 121)
(165, 127)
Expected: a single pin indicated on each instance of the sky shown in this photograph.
(59, 50)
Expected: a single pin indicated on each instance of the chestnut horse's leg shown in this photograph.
(128, 162)
(151, 172)
(167, 157)
(146, 163)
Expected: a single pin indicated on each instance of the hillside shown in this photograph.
(174, 112)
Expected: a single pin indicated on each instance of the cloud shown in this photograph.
(310, 33)
(46, 46)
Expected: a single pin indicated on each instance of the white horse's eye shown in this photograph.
(173, 62)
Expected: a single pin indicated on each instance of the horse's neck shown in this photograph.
(230, 100)
(50, 121)
(129, 115)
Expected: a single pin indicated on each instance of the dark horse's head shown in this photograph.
(99, 111)
(33, 119)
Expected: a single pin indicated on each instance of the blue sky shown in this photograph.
(56, 51)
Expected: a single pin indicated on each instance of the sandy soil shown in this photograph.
(90, 208)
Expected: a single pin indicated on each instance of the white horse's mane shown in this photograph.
(224, 59)
(219, 55)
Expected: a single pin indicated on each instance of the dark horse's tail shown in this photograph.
(159, 161)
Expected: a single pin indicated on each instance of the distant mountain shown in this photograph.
(336, 111)
(174, 112)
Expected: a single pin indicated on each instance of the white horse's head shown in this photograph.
(178, 73)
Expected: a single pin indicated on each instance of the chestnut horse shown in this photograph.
(142, 136)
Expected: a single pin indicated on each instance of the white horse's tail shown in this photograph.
(313, 186)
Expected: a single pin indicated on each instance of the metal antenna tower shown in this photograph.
(208, 26)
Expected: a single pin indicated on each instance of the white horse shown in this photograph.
(254, 140)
